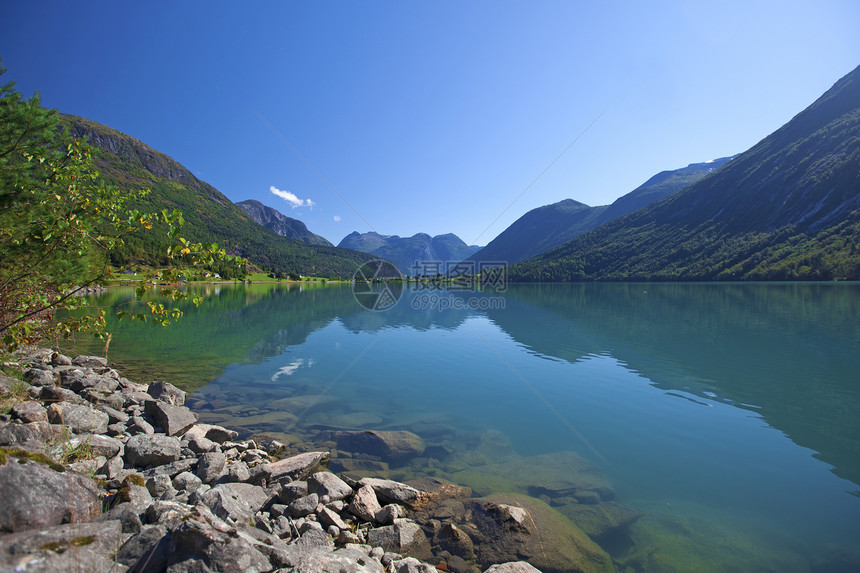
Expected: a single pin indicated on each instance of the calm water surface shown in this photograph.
(726, 414)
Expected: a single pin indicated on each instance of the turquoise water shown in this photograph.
(726, 413)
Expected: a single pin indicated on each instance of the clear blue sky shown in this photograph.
(431, 116)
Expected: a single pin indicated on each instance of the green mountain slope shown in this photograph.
(549, 226)
(405, 251)
(209, 215)
(280, 224)
(787, 209)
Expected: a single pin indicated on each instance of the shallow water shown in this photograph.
(726, 413)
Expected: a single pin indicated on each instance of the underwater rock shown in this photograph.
(514, 527)
(391, 446)
(601, 520)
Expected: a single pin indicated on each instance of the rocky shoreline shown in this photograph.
(100, 473)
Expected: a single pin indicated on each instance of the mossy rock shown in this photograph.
(542, 536)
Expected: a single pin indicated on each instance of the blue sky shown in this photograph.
(436, 117)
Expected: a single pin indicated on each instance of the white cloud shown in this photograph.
(337, 218)
(291, 198)
(289, 369)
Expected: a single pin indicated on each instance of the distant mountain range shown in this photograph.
(280, 224)
(549, 226)
(786, 209)
(209, 215)
(406, 251)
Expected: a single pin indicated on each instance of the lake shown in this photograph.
(725, 414)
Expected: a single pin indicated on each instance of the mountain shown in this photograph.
(209, 215)
(280, 224)
(786, 209)
(549, 226)
(405, 251)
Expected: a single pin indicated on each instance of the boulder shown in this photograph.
(389, 491)
(514, 527)
(411, 565)
(331, 518)
(212, 432)
(39, 377)
(34, 436)
(78, 418)
(146, 550)
(100, 536)
(94, 362)
(97, 444)
(304, 505)
(390, 446)
(187, 481)
(236, 501)
(196, 539)
(364, 504)
(455, 541)
(512, 567)
(29, 412)
(327, 484)
(151, 450)
(238, 472)
(405, 537)
(289, 469)
(389, 514)
(44, 497)
(167, 393)
(57, 394)
(175, 420)
(210, 466)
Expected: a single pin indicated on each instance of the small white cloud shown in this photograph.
(291, 198)
(288, 370)
(337, 218)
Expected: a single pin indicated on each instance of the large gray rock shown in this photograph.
(34, 495)
(101, 536)
(39, 377)
(167, 393)
(512, 567)
(405, 537)
(364, 504)
(314, 552)
(78, 418)
(94, 362)
(411, 565)
(217, 434)
(389, 491)
(175, 420)
(390, 446)
(328, 484)
(56, 394)
(198, 539)
(210, 466)
(97, 444)
(303, 506)
(34, 436)
(30, 412)
(289, 469)
(237, 501)
(146, 550)
(151, 450)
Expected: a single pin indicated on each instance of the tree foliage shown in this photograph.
(60, 222)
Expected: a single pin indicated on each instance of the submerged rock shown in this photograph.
(391, 446)
(513, 527)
